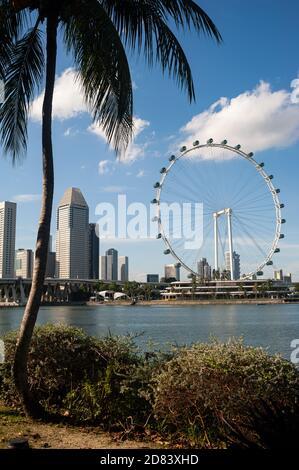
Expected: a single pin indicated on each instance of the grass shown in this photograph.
(14, 424)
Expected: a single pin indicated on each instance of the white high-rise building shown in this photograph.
(8, 214)
(103, 268)
(72, 236)
(123, 268)
(172, 271)
(24, 263)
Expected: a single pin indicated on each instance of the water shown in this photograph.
(270, 326)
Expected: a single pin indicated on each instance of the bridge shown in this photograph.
(16, 291)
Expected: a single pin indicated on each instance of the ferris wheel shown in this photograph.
(241, 213)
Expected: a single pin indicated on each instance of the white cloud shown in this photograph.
(135, 150)
(105, 166)
(23, 198)
(259, 119)
(140, 174)
(70, 132)
(68, 99)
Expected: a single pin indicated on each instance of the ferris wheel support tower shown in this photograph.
(228, 212)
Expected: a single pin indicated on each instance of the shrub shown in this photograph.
(89, 379)
(207, 387)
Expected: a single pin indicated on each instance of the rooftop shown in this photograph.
(74, 197)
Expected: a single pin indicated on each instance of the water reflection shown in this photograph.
(270, 326)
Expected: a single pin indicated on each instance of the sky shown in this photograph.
(247, 91)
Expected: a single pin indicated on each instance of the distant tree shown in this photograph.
(131, 289)
(113, 286)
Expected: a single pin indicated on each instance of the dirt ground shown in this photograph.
(58, 436)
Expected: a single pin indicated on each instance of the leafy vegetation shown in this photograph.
(205, 395)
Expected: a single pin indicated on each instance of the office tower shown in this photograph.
(123, 268)
(172, 271)
(51, 264)
(24, 263)
(204, 269)
(152, 278)
(278, 275)
(8, 213)
(236, 264)
(287, 279)
(103, 268)
(112, 264)
(93, 249)
(72, 236)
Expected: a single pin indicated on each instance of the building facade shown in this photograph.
(8, 214)
(112, 264)
(103, 268)
(93, 251)
(278, 275)
(72, 236)
(152, 278)
(123, 268)
(172, 271)
(204, 269)
(236, 264)
(24, 263)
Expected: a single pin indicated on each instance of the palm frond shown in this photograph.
(187, 12)
(144, 26)
(10, 25)
(103, 71)
(23, 75)
(183, 12)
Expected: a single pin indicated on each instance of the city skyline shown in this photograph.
(254, 106)
(110, 266)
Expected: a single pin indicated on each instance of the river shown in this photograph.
(270, 326)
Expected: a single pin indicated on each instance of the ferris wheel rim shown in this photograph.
(258, 167)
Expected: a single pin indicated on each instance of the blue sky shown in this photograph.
(254, 69)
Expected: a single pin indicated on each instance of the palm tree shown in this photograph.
(96, 32)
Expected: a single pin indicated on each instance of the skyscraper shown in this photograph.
(112, 264)
(93, 248)
(72, 236)
(204, 269)
(236, 264)
(123, 268)
(103, 268)
(278, 275)
(24, 263)
(8, 213)
(172, 271)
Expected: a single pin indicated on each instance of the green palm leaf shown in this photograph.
(22, 76)
(143, 24)
(103, 70)
(10, 25)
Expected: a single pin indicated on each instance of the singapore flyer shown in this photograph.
(241, 217)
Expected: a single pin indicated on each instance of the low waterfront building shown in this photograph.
(239, 289)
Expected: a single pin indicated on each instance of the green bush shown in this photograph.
(207, 388)
(205, 395)
(88, 379)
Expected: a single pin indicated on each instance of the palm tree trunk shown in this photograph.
(20, 371)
